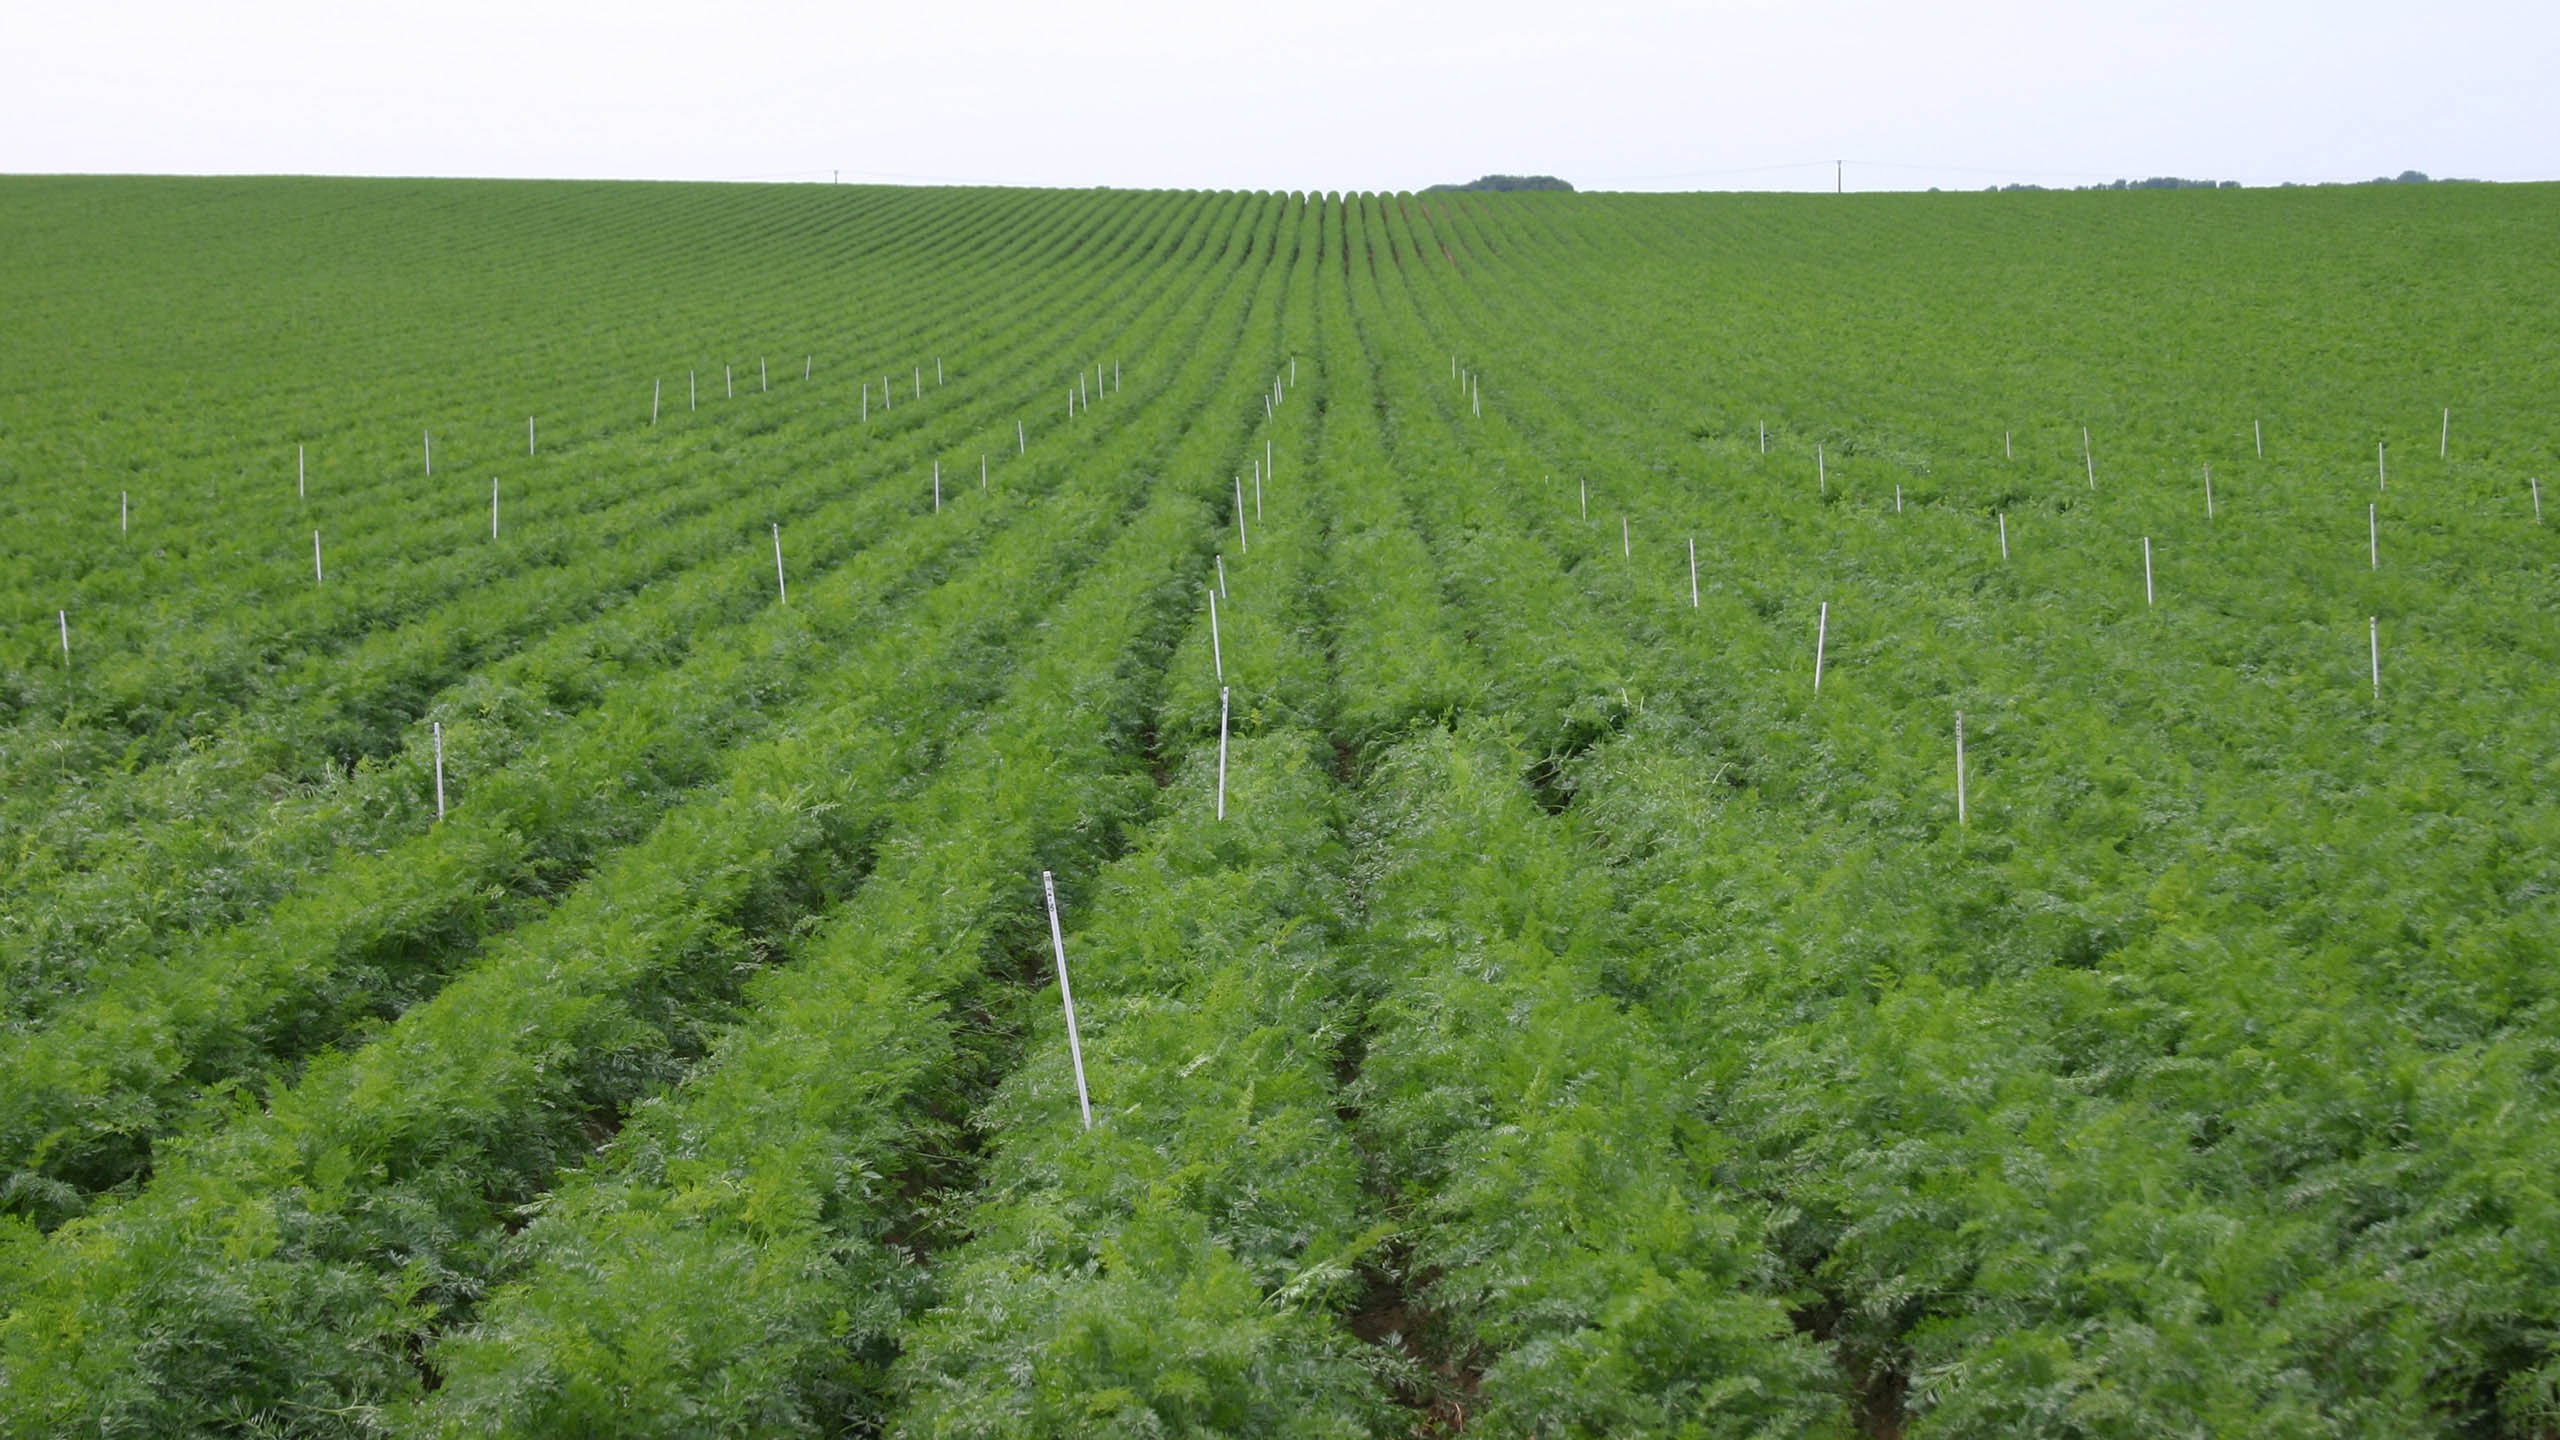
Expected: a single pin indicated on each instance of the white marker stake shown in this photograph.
(1021, 446)
(1071, 403)
(808, 363)
(1764, 437)
(2146, 570)
(884, 394)
(779, 588)
(317, 578)
(2208, 492)
(2004, 535)
(493, 507)
(1693, 572)
(937, 369)
(298, 472)
(1293, 369)
(1960, 769)
(438, 728)
(1586, 500)
(982, 472)
(2373, 633)
(1266, 468)
(1066, 996)
(1257, 492)
(1626, 547)
(729, 380)
(2089, 455)
(2372, 539)
(691, 401)
(124, 512)
(2537, 500)
(919, 382)
(1222, 573)
(1479, 400)
(1897, 498)
(2008, 445)
(1821, 470)
(1115, 376)
(937, 487)
(1222, 752)
(1821, 635)
(764, 381)
(1217, 656)
(65, 617)
(2445, 440)
(528, 434)
(2381, 467)
(428, 443)
(653, 400)
(1242, 548)
(2258, 432)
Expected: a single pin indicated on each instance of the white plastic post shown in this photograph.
(2381, 466)
(937, 369)
(493, 507)
(654, 387)
(1222, 752)
(2004, 535)
(691, 400)
(885, 400)
(1080, 390)
(1257, 492)
(1897, 498)
(1821, 470)
(1067, 997)
(1293, 369)
(64, 616)
(1266, 467)
(2537, 500)
(808, 365)
(2008, 445)
(2089, 456)
(1764, 437)
(1217, 656)
(1071, 402)
(2372, 538)
(1021, 446)
(1626, 546)
(919, 382)
(2373, 634)
(1479, 399)
(866, 402)
(438, 728)
(124, 512)
(2445, 440)
(1960, 769)
(528, 434)
(1693, 572)
(2258, 432)
(1222, 572)
(1821, 635)
(780, 589)
(1242, 546)
(317, 578)
(427, 443)
(937, 487)
(1586, 500)
(729, 379)
(298, 472)
(2146, 570)
(1115, 377)
(2208, 492)
(982, 472)
(764, 381)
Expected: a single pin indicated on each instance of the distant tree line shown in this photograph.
(1504, 182)
(2178, 182)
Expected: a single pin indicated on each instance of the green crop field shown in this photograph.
(1924, 815)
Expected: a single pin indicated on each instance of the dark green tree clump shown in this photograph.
(1506, 182)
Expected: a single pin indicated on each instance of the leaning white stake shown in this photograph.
(298, 472)
(919, 382)
(2445, 440)
(764, 381)
(1821, 470)
(124, 512)
(2372, 538)
(1764, 437)
(1821, 635)
(1257, 492)
(691, 400)
(1586, 500)
(937, 487)
(2373, 634)
(317, 578)
(937, 369)
(493, 507)
(780, 590)
(528, 434)
(1067, 997)
(438, 728)
(2208, 492)
(1242, 547)
(1897, 498)
(1693, 572)
(2089, 456)
(654, 387)
(2537, 500)
(64, 616)
(808, 364)
(982, 471)
(2381, 465)
(1217, 656)
(2008, 446)
(1222, 572)
(427, 443)
(2004, 534)
(1626, 546)
(1222, 752)
(1960, 768)
(1021, 446)
(2146, 570)
(729, 379)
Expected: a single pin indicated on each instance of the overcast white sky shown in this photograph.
(1290, 94)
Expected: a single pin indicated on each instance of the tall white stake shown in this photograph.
(885, 403)
(2381, 466)
(1242, 546)
(1693, 572)
(919, 382)
(528, 434)
(1222, 752)
(1821, 635)
(937, 487)
(866, 402)
(427, 443)
(2004, 534)
(2537, 500)
(2146, 570)
(317, 578)
(1222, 572)
(729, 379)
(2372, 538)
(1257, 492)
(2445, 440)
(808, 364)
(691, 400)
(1821, 470)
(1897, 498)
(1021, 446)
(1960, 769)
(1586, 500)
(780, 589)
(764, 381)
(2258, 432)
(124, 512)
(2008, 445)
(1266, 469)
(654, 386)
(937, 369)
(64, 616)
(2208, 492)
(2373, 633)
(1626, 546)
(1217, 656)
(493, 507)
(438, 728)
(2089, 456)
(1293, 369)
(298, 472)
(982, 472)
(1764, 437)
(1067, 997)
